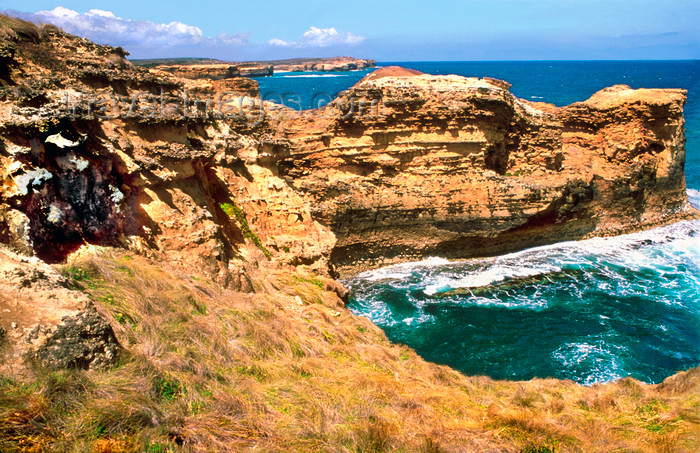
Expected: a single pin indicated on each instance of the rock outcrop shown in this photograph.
(45, 320)
(135, 158)
(404, 165)
(212, 71)
(219, 70)
(216, 71)
(256, 70)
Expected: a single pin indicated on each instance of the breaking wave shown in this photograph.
(592, 310)
(694, 197)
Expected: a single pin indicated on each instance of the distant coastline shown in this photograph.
(217, 69)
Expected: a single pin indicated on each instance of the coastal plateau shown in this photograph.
(215, 69)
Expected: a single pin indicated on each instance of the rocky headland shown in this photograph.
(216, 71)
(414, 165)
(168, 253)
(322, 64)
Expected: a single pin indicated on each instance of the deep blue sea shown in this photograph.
(591, 311)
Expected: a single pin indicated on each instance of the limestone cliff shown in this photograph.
(322, 64)
(96, 150)
(400, 166)
(404, 165)
(216, 71)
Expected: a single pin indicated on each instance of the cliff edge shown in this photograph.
(400, 166)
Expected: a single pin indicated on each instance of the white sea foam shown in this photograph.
(694, 197)
(501, 270)
(680, 242)
(614, 258)
(601, 359)
(308, 76)
(401, 271)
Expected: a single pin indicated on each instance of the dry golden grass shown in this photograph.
(289, 369)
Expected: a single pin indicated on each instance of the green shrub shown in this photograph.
(167, 388)
(234, 211)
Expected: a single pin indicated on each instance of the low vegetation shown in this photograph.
(287, 368)
(233, 211)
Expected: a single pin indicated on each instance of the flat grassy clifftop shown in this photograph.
(285, 367)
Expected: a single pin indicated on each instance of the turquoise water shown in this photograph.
(591, 311)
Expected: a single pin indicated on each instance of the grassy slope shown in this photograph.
(289, 369)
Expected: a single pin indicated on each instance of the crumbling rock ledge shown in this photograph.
(83, 341)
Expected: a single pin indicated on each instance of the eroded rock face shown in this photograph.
(405, 165)
(123, 156)
(202, 71)
(323, 64)
(401, 166)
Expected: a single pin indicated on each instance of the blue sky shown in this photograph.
(386, 30)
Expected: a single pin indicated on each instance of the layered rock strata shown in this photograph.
(404, 166)
(216, 71)
(141, 159)
(323, 64)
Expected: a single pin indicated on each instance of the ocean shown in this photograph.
(590, 311)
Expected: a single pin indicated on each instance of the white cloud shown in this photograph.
(319, 37)
(140, 35)
(98, 12)
(239, 39)
(278, 42)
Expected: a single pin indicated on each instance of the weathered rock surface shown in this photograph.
(216, 71)
(201, 68)
(390, 71)
(231, 70)
(256, 70)
(83, 341)
(213, 71)
(405, 165)
(183, 180)
(45, 320)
